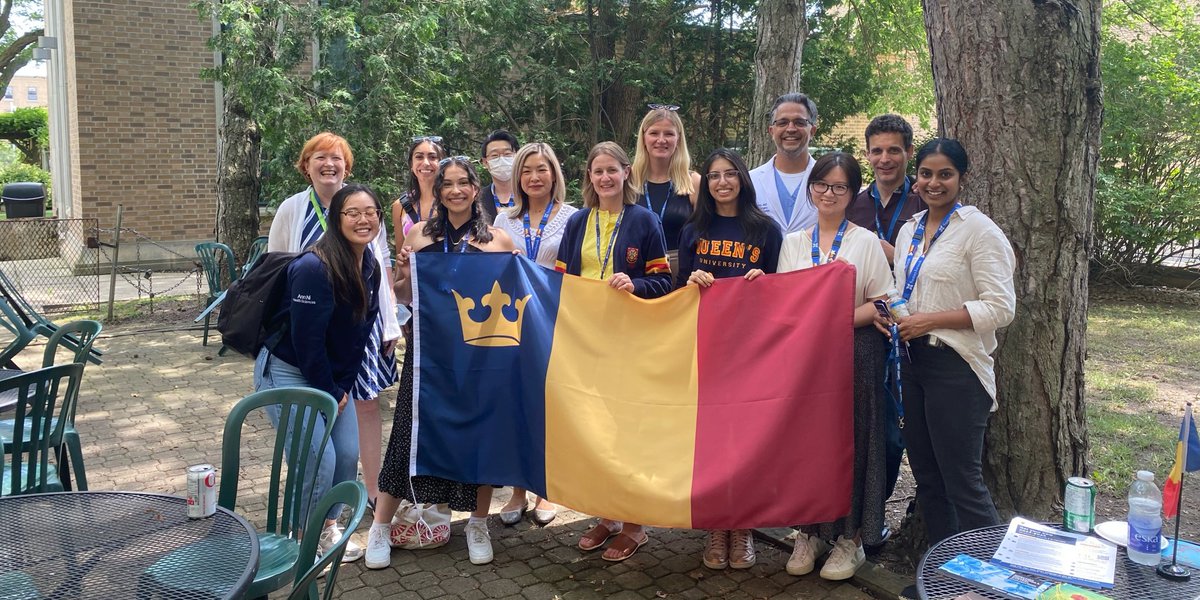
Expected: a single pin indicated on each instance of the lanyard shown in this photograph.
(874, 191)
(312, 197)
(496, 199)
(460, 247)
(533, 245)
(662, 209)
(612, 240)
(910, 280)
(833, 250)
(416, 210)
(783, 192)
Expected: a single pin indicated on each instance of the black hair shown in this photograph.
(828, 162)
(948, 147)
(752, 220)
(890, 123)
(795, 98)
(497, 136)
(437, 227)
(411, 204)
(343, 268)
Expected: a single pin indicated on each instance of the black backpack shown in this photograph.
(252, 301)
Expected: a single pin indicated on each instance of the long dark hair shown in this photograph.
(412, 195)
(345, 272)
(753, 221)
(437, 227)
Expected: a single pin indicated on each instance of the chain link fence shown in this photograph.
(53, 263)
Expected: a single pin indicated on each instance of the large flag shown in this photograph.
(724, 408)
(1187, 458)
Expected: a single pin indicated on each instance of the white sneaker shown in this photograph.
(479, 542)
(331, 536)
(379, 550)
(805, 553)
(844, 560)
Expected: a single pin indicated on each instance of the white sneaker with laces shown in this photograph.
(844, 560)
(331, 536)
(379, 549)
(805, 553)
(479, 542)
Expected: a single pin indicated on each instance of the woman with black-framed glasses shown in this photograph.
(835, 179)
(662, 173)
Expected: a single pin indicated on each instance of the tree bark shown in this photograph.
(623, 102)
(238, 182)
(1018, 83)
(782, 29)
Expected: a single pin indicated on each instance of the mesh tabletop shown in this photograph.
(121, 545)
(1132, 581)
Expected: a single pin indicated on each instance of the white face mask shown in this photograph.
(501, 167)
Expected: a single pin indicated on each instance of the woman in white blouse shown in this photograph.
(536, 223)
(956, 271)
(835, 179)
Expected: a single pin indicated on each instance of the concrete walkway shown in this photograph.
(158, 404)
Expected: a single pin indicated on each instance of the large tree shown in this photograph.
(782, 29)
(16, 45)
(1019, 84)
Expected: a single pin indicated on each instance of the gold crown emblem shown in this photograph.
(497, 330)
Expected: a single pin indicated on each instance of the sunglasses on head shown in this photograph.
(417, 139)
(448, 159)
(670, 107)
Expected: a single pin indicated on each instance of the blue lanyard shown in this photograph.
(532, 246)
(612, 240)
(499, 206)
(662, 209)
(874, 191)
(416, 210)
(833, 250)
(783, 192)
(910, 280)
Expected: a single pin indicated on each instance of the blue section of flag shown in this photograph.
(1191, 443)
(480, 410)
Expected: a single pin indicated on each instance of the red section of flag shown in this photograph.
(1171, 486)
(774, 426)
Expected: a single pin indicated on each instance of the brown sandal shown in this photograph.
(596, 536)
(624, 546)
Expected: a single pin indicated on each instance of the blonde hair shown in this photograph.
(558, 192)
(324, 142)
(590, 198)
(681, 160)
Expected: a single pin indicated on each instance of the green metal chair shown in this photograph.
(33, 321)
(70, 453)
(39, 395)
(22, 335)
(352, 494)
(278, 547)
(220, 270)
(257, 248)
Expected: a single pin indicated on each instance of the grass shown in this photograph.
(124, 310)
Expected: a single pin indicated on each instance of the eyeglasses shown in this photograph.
(370, 213)
(670, 107)
(449, 159)
(417, 139)
(783, 123)
(821, 187)
(715, 176)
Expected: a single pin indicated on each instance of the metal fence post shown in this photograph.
(112, 280)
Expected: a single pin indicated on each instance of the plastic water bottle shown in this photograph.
(897, 303)
(1145, 520)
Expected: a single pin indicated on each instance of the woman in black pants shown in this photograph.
(957, 275)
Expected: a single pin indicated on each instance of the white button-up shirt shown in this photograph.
(970, 266)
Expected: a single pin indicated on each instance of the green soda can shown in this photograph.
(1079, 505)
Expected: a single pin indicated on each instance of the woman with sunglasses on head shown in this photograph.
(662, 173)
(616, 240)
(727, 236)
(456, 225)
(326, 161)
(957, 275)
(332, 304)
(536, 222)
(833, 182)
(417, 202)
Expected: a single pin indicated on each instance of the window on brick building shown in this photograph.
(32, 94)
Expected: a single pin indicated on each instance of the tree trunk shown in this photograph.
(623, 102)
(1018, 83)
(238, 182)
(782, 29)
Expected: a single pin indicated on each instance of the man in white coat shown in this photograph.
(781, 183)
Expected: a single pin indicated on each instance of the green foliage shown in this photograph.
(18, 172)
(28, 129)
(1148, 189)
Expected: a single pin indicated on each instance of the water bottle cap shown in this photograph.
(893, 294)
(1145, 475)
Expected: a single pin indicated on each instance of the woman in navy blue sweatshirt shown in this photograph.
(330, 308)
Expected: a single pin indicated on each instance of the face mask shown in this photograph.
(501, 167)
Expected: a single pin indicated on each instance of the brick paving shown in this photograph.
(158, 404)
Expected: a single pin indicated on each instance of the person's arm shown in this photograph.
(789, 254)
(312, 304)
(279, 238)
(403, 285)
(656, 280)
(697, 181)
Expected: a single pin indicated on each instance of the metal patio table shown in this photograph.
(114, 545)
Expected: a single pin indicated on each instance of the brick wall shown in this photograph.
(145, 120)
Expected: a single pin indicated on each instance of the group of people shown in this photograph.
(912, 241)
